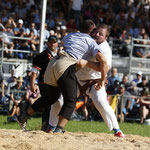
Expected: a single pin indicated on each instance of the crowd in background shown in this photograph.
(22, 18)
(126, 18)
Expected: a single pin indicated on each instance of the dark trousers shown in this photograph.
(67, 84)
(68, 87)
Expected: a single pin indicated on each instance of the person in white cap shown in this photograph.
(19, 27)
(63, 31)
(138, 78)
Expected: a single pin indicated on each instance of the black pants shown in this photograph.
(68, 87)
(49, 96)
(67, 84)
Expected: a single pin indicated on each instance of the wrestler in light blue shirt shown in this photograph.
(80, 45)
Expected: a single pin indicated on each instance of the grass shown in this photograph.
(81, 126)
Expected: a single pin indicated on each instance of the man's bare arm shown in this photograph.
(103, 65)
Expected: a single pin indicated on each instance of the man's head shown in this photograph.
(52, 43)
(121, 88)
(114, 72)
(101, 33)
(139, 75)
(88, 26)
(125, 79)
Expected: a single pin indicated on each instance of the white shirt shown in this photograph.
(76, 4)
(87, 73)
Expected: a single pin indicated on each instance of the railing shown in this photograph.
(129, 65)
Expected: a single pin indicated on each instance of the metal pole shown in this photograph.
(42, 25)
(130, 57)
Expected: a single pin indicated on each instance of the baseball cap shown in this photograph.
(63, 28)
(15, 74)
(20, 21)
(139, 73)
(53, 38)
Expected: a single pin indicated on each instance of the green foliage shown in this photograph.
(81, 126)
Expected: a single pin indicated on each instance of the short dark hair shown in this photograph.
(87, 25)
(105, 26)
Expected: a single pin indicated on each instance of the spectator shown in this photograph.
(19, 28)
(33, 29)
(1, 87)
(7, 85)
(46, 33)
(143, 84)
(144, 102)
(26, 83)
(31, 97)
(71, 26)
(126, 100)
(10, 22)
(63, 31)
(142, 52)
(113, 89)
(50, 22)
(2, 28)
(113, 77)
(8, 42)
(4, 17)
(17, 104)
(33, 43)
(138, 78)
(76, 6)
(125, 82)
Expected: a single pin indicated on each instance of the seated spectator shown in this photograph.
(19, 28)
(63, 31)
(71, 25)
(143, 84)
(125, 101)
(33, 29)
(134, 91)
(32, 97)
(26, 83)
(50, 22)
(138, 78)
(46, 33)
(57, 32)
(113, 89)
(125, 82)
(1, 87)
(113, 77)
(142, 52)
(8, 42)
(10, 22)
(2, 28)
(17, 104)
(144, 102)
(7, 85)
(24, 46)
(33, 43)
(4, 16)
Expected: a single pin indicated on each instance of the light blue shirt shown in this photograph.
(80, 45)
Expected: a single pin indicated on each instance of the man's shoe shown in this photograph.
(22, 121)
(59, 130)
(50, 129)
(119, 134)
(24, 126)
